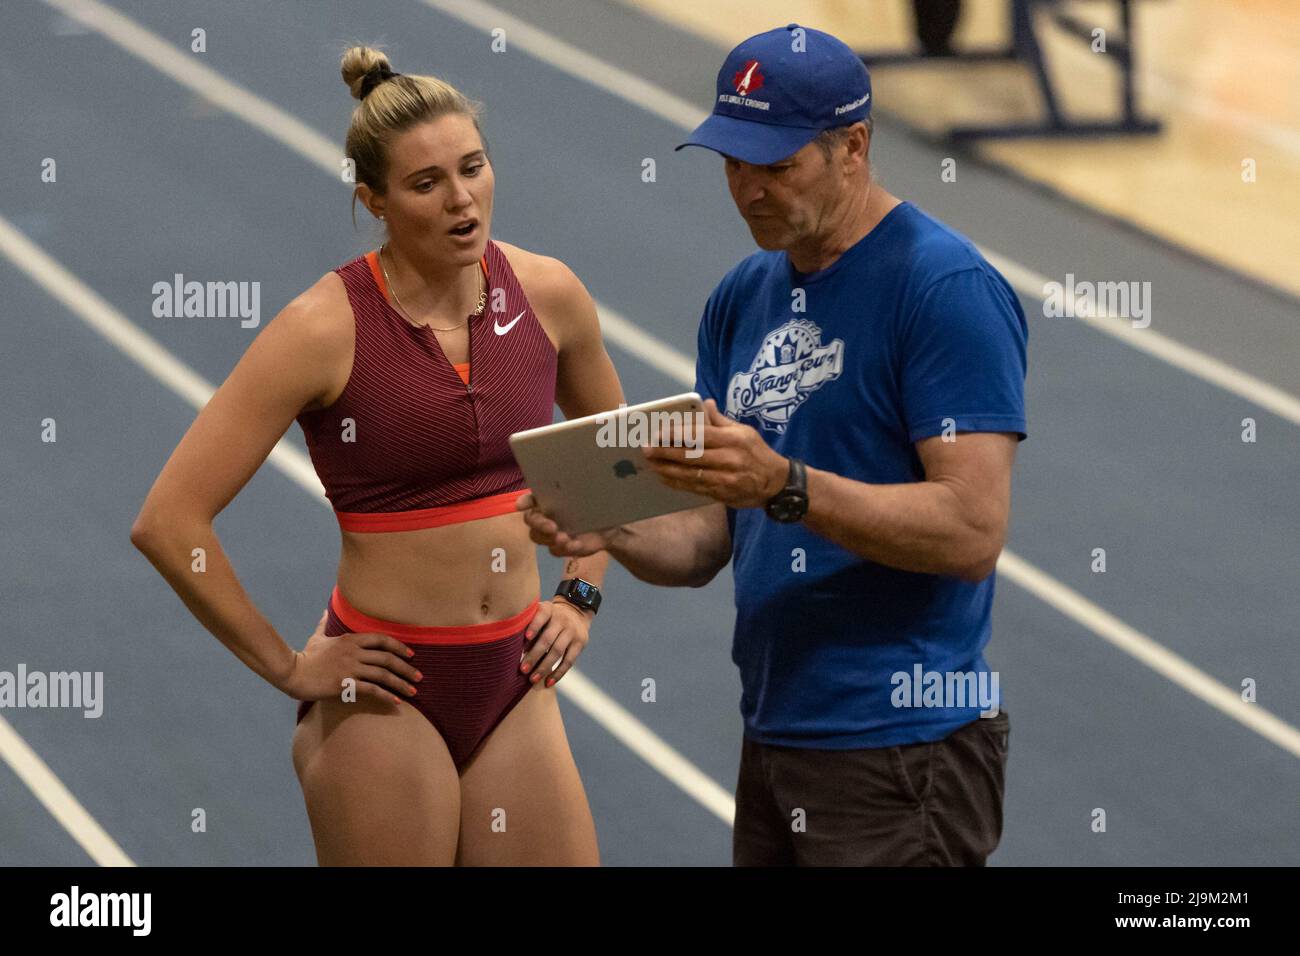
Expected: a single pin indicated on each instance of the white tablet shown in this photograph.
(589, 473)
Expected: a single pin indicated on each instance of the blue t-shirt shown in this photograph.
(910, 333)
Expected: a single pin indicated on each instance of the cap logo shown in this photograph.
(748, 78)
(850, 107)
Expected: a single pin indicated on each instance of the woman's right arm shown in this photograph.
(301, 358)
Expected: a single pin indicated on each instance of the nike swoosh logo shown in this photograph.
(503, 329)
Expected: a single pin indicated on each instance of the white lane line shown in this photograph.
(1111, 629)
(1029, 284)
(58, 800)
(317, 149)
(616, 720)
(650, 747)
(1205, 367)
(189, 71)
(1150, 652)
(84, 302)
(645, 95)
(633, 339)
(155, 359)
(293, 134)
(574, 61)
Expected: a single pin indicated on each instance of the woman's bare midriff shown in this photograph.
(447, 576)
(468, 573)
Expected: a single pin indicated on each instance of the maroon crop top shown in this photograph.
(408, 443)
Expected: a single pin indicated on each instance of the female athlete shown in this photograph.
(428, 730)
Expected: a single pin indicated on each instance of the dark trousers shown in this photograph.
(932, 804)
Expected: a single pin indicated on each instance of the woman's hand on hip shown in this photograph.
(558, 633)
(374, 663)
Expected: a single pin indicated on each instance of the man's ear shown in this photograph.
(859, 142)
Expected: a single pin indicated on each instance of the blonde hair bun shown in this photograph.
(357, 62)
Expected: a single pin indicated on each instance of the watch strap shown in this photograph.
(790, 504)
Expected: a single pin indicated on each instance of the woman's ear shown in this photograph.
(371, 200)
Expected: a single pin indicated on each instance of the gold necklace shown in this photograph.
(482, 298)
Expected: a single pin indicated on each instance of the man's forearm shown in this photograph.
(919, 526)
(671, 550)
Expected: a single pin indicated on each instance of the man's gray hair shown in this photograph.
(828, 139)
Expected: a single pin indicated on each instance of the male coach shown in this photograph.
(871, 366)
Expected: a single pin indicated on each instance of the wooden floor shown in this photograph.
(1223, 75)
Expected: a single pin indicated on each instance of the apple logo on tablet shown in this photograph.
(624, 469)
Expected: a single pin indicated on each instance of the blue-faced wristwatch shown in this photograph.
(582, 593)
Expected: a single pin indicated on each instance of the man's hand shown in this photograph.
(736, 468)
(545, 531)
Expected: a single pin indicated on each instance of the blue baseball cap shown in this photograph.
(778, 90)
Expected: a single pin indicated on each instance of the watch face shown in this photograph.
(582, 589)
(789, 507)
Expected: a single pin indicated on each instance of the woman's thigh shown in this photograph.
(521, 799)
(380, 787)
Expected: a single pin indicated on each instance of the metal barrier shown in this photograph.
(936, 20)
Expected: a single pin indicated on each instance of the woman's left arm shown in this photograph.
(585, 383)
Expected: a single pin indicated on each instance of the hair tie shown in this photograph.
(374, 76)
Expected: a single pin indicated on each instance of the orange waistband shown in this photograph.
(418, 634)
(486, 507)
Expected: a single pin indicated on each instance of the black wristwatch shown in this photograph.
(790, 504)
(582, 593)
